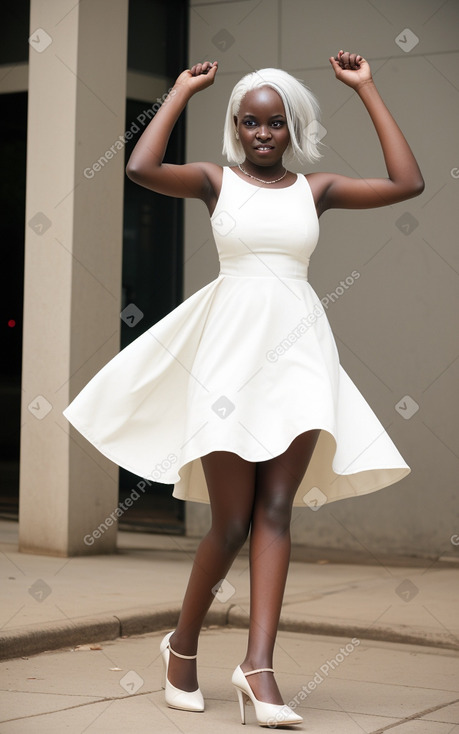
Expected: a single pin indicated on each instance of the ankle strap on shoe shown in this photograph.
(179, 655)
(259, 670)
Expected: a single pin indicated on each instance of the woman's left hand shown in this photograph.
(352, 69)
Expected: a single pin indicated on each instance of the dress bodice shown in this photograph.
(264, 232)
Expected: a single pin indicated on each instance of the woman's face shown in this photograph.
(262, 126)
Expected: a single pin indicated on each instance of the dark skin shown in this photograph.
(330, 190)
(245, 495)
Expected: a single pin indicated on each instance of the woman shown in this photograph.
(258, 334)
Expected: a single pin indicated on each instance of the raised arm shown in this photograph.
(404, 177)
(146, 167)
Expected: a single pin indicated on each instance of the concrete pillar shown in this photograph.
(72, 302)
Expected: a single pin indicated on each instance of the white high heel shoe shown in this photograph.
(175, 697)
(268, 714)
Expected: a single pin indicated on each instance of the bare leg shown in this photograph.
(231, 485)
(276, 483)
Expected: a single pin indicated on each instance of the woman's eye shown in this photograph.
(275, 123)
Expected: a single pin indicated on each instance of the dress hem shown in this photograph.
(399, 471)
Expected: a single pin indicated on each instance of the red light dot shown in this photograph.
(11, 323)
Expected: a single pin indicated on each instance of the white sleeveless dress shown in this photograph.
(244, 365)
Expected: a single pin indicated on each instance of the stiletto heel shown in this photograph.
(241, 700)
(268, 714)
(175, 697)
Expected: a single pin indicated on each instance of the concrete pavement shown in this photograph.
(375, 687)
(50, 602)
(402, 674)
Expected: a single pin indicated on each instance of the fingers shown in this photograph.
(333, 61)
(347, 60)
(203, 68)
(213, 69)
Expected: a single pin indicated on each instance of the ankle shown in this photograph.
(252, 664)
(180, 646)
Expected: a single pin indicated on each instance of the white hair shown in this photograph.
(301, 110)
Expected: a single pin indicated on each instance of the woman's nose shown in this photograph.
(264, 132)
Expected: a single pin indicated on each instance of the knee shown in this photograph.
(275, 511)
(232, 534)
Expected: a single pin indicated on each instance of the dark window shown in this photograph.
(153, 227)
(13, 142)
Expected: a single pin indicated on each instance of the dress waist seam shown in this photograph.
(265, 277)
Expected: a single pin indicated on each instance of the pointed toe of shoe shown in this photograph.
(282, 716)
(184, 700)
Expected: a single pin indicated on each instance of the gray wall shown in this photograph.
(394, 328)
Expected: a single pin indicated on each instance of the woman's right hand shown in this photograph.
(198, 77)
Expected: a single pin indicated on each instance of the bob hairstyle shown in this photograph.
(301, 110)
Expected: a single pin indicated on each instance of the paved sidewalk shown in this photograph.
(51, 602)
(337, 685)
(383, 654)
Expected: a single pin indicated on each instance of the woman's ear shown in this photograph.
(235, 127)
